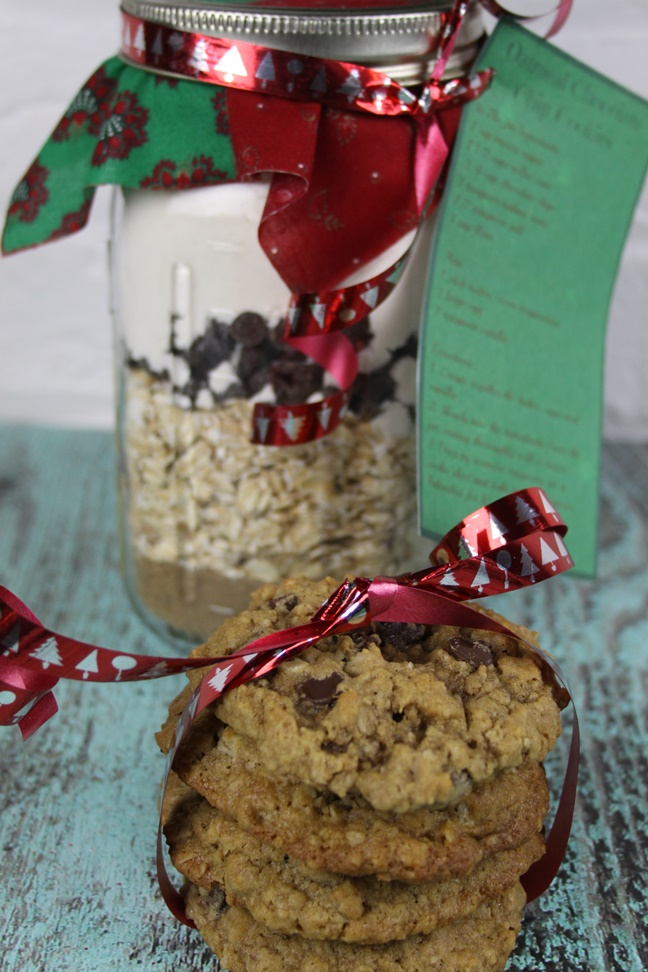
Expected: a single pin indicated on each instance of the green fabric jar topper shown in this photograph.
(125, 127)
(132, 128)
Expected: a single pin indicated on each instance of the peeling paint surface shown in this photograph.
(78, 800)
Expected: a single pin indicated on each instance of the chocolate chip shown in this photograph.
(191, 389)
(254, 365)
(209, 350)
(287, 602)
(218, 903)
(331, 747)
(294, 382)
(360, 335)
(399, 634)
(370, 391)
(235, 390)
(250, 361)
(407, 350)
(364, 637)
(320, 692)
(145, 366)
(249, 329)
(474, 653)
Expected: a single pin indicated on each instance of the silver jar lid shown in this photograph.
(398, 38)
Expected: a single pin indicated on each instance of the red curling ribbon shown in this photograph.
(518, 537)
(323, 312)
(338, 309)
(291, 425)
(283, 104)
(524, 525)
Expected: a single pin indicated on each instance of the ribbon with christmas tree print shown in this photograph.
(139, 129)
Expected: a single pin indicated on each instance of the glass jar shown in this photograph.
(207, 515)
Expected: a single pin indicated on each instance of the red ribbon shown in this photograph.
(508, 545)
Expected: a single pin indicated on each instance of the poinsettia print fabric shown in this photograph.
(198, 171)
(122, 130)
(30, 194)
(125, 127)
(88, 108)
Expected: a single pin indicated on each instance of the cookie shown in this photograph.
(405, 716)
(288, 897)
(480, 942)
(346, 835)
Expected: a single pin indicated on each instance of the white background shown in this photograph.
(55, 332)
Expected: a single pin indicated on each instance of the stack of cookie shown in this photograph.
(368, 806)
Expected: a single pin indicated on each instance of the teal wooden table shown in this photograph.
(78, 890)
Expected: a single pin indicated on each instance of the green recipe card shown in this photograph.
(547, 169)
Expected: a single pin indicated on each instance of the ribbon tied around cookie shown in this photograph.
(508, 545)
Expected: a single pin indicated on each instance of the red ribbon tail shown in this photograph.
(561, 12)
(431, 155)
(541, 874)
(38, 715)
(560, 19)
(172, 897)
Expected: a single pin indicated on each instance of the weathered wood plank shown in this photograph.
(78, 800)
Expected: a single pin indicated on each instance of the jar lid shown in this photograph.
(400, 39)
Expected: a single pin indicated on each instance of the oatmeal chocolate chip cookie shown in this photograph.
(480, 942)
(288, 897)
(404, 715)
(346, 835)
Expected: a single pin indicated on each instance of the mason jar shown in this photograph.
(207, 514)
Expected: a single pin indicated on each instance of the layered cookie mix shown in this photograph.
(296, 862)
(210, 515)
(207, 515)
